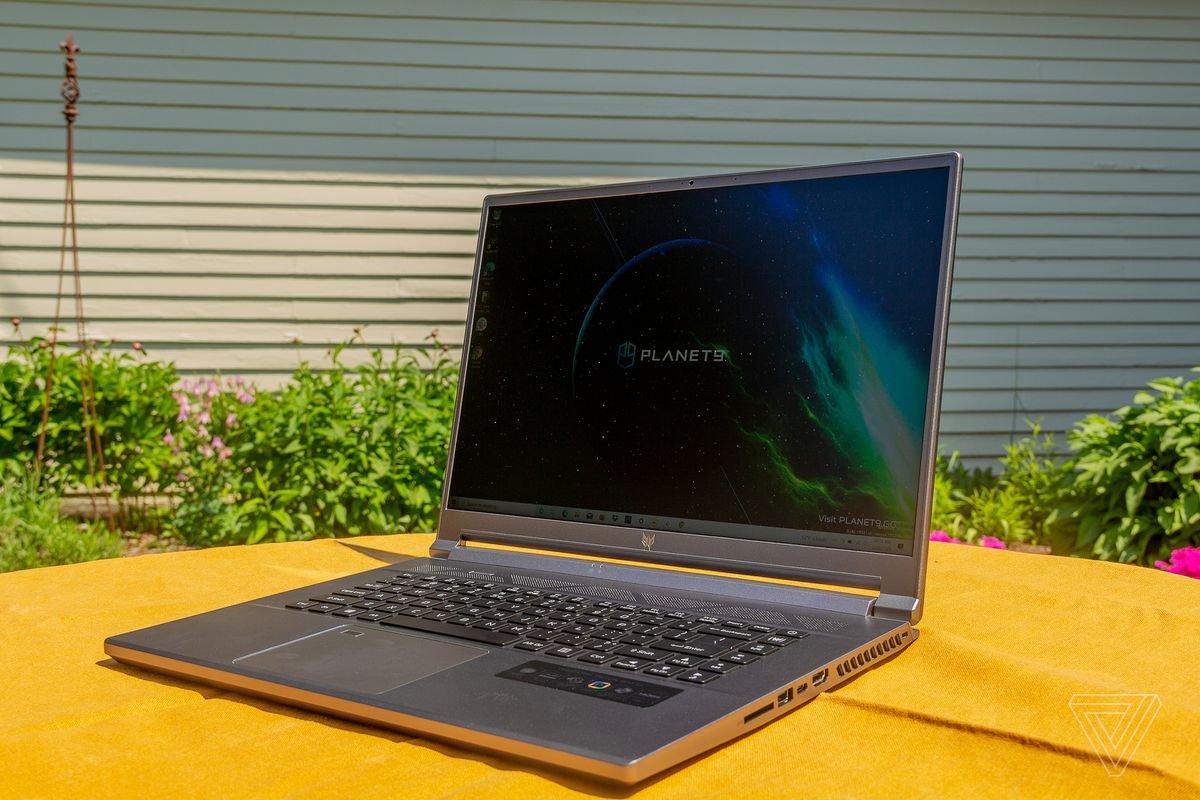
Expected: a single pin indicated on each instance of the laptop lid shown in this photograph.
(739, 372)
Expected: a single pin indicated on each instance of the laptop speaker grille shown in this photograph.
(818, 624)
(542, 583)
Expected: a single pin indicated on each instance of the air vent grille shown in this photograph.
(864, 657)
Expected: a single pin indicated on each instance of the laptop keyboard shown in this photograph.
(653, 641)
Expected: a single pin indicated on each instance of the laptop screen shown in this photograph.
(747, 361)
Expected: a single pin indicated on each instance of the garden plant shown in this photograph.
(341, 450)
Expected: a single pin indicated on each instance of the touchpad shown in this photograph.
(357, 659)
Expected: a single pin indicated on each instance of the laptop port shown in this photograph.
(753, 715)
(820, 677)
(784, 698)
(802, 688)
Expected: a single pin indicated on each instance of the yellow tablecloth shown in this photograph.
(977, 707)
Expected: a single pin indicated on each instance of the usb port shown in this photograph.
(784, 698)
(820, 677)
(802, 688)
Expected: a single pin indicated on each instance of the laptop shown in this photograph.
(688, 486)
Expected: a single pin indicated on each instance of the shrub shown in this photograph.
(1016, 506)
(1137, 485)
(346, 451)
(32, 534)
(133, 404)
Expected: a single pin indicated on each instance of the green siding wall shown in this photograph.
(250, 177)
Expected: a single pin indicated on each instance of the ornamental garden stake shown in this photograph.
(89, 428)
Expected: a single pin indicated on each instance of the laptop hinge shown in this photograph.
(896, 606)
(760, 591)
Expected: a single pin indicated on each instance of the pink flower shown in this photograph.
(1184, 561)
(213, 388)
(230, 420)
(184, 406)
(206, 451)
(224, 454)
(942, 536)
(137, 346)
(181, 476)
(204, 417)
(993, 542)
(169, 439)
(202, 432)
(16, 322)
(244, 397)
(217, 443)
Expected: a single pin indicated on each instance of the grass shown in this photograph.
(32, 534)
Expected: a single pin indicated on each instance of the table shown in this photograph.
(979, 706)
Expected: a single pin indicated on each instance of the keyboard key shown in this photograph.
(367, 605)
(347, 611)
(719, 667)
(687, 625)
(648, 653)
(663, 670)
(632, 664)
(637, 638)
(777, 641)
(437, 616)
(758, 649)
(460, 619)
(686, 661)
(596, 658)
(703, 645)
(698, 676)
(529, 644)
(302, 604)
(322, 608)
(360, 593)
(571, 639)
(519, 630)
(680, 636)
(562, 651)
(382, 597)
(733, 623)
(371, 616)
(739, 658)
(489, 625)
(489, 637)
(762, 629)
(725, 630)
(795, 634)
(334, 600)
(602, 645)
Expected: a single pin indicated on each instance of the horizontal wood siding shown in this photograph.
(256, 181)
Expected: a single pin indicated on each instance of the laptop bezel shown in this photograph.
(897, 576)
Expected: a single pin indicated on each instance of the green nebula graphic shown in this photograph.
(863, 394)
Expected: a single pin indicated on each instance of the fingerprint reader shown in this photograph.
(599, 685)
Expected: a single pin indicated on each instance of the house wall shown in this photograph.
(253, 178)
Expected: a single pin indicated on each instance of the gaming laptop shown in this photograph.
(679, 400)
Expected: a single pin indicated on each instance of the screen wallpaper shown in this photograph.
(754, 356)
